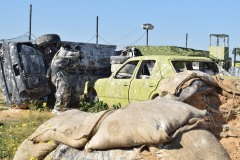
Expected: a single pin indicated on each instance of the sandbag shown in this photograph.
(147, 122)
(72, 127)
(64, 152)
(229, 85)
(193, 144)
(28, 150)
(176, 83)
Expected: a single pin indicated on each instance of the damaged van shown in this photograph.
(24, 67)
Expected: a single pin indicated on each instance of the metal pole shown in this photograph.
(186, 40)
(210, 40)
(30, 23)
(224, 41)
(228, 42)
(97, 31)
(217, 41)
(234, 57)
(147, 38)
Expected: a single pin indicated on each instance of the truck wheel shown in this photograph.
(47, 38)
(92, 96)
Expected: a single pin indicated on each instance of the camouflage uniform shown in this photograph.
(65, 77)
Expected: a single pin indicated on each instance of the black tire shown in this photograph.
(92, 96)
(47, 38)
(156, 97)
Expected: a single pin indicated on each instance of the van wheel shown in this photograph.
(156, 97)
(47, 38)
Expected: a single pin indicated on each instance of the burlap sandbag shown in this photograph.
(28, 150)
(64, 152)
(148, 122)
(175, 84)
(72, 127)
(229, 85)
(192, 145)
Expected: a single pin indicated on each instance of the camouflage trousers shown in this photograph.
(66, 94)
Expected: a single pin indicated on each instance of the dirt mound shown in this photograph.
(224, 119)
(230, 135)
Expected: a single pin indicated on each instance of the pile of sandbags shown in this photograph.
(219, 95)
(194, 144)
(147, 123)
(199, 89)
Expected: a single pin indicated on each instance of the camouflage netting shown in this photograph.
(171, 50)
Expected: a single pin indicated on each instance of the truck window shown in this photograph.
(207, 67)
(127, 70)
(145, 70)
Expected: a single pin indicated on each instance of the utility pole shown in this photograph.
(186, 40)
(30, 23)
(97, 31)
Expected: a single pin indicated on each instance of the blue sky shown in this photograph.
(120, 21)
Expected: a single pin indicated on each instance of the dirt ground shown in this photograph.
(223, 111)
(231, 137)
(224, 119)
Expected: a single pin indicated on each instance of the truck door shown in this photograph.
(144, 83)
(118, 89)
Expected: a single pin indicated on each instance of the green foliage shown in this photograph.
(117, 106)
(3, 103)
(38, 105)
(95, 107)
(83, 105)
(14, 131)
(1, 109)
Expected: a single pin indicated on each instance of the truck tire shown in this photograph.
(47, 38)
(92, 96)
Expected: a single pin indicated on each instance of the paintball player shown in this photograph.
(65, 77)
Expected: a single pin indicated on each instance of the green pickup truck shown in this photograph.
(138, 78)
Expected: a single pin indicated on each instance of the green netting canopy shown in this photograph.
(171, 50)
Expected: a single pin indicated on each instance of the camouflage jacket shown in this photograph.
(65, 60)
